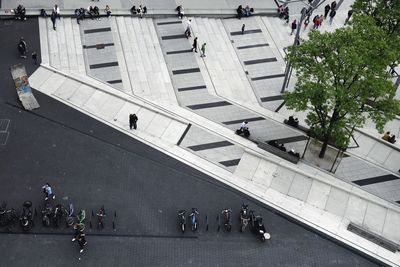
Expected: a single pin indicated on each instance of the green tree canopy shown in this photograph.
(386, 13)
(342, 80)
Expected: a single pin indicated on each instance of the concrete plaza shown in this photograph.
(97, 73)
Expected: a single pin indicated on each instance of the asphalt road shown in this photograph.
(90, 164)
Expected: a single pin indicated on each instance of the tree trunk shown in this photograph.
(328, 134)
(323, 149)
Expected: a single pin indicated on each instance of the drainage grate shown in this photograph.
(374, 238)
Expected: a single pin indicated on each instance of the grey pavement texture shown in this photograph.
(185, 72)
(91, 164)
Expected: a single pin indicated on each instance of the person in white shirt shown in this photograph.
(56, 10)
(244, 126)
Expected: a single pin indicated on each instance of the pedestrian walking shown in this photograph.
(53, 19)
(56, 10)
(315, 21)
(294, 26)
(243, 26)
(321, 19)
(22, 48)
(327, 9)
(332, 15)
(81, 241)
(333, 5)
(194, 46)
(188, 31)
(203, 50)
(77, 230)
(133, 121)
(34, 57)
(306, 22)
(180, 11)
(349, 13)
(286, 17)
(48, 191)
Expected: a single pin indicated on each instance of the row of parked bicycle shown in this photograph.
(51, 215)
(246, 217)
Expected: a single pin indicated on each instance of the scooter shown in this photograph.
(244, 217)
(193, 219)
(227, 219)
(26, 219)
(182, 220)
(258, 227)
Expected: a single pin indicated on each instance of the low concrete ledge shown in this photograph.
(276, 151)
(156, 13)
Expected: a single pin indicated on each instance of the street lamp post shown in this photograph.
(305, 12)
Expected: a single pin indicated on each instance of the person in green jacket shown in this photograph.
(203, 50)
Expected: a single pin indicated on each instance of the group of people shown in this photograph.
(283, 13)
(20, 12)
(79, 234)
(391, 138)
(188, 33)
(141, 10)
(244, 12)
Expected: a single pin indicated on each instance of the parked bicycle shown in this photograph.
(193, 219)
(46, 214)
(8, 217)
(100, 217)
(182, 220)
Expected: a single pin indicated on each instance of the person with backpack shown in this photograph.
(48, 191)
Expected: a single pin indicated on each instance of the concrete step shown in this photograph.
(145, 64)
(106, 104)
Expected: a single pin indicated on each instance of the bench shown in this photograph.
(276, 151)
(375, 238)
(301, 128)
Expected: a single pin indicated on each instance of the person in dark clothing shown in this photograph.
(194, 46)
(294, 26)
(180, 11)
(53, 18)
(333, 5)
(332, 15)
(327, 9)
(349, 13)
(22, 47)
(286, 18)
(133, 121)
(81, 241)
(243, 26)
(34, 57)
(239, 12)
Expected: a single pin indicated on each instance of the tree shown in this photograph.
(386, 13)
(342, 80)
